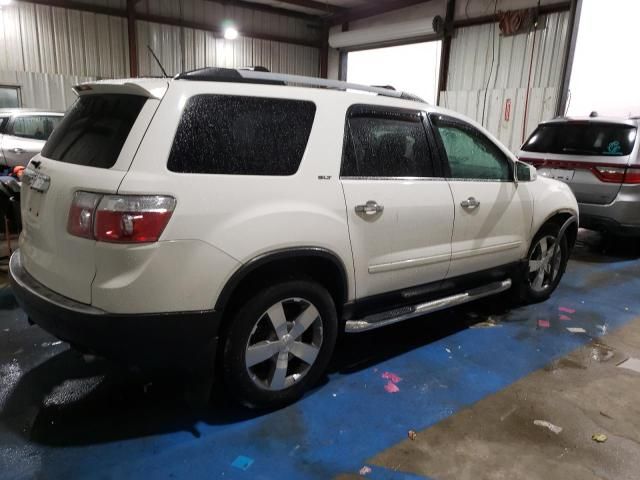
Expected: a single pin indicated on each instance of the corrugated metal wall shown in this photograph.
(44, 90)
(39, 38)
(46, 49)
(180, 49)
(245, 19)
(474, 87)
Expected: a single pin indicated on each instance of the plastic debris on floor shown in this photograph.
(543, 423)
(631, 364)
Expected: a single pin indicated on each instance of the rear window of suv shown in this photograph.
(94, 130)
(237, 135)
(588, 138)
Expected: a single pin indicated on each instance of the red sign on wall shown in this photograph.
(507, 110)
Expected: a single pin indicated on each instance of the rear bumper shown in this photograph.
(176, 340)
(608, 225)
(620, 217)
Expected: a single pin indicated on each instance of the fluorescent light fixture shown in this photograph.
(230, 33)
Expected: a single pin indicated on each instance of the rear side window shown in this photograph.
(37, 127)
(386, 144)
(585, 138)
(235, 135)
(94, 130)
(3, 123)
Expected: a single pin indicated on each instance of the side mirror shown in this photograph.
(525, 172)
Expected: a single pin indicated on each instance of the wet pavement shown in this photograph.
(450, 377)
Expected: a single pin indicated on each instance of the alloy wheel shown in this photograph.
(284, 344)
(544, 263)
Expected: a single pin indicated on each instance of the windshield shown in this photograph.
(588, 138)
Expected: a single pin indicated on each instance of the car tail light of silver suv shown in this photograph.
(617, 174)
(119, 218)
(604, 172)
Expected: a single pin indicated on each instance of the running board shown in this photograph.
(404, 313)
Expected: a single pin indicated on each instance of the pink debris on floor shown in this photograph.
(564, 317)
(544, 323)
(392, 377)
(566, 310)
(391, 387)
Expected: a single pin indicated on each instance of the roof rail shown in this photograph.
(257, 75)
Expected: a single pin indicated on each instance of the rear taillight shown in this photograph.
(81, 214)
(132, 218)
(617, 174)
(120, 218)
(632, 175)
(609, 174)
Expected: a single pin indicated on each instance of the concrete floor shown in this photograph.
(470, 382)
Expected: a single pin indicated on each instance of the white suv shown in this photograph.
(228, 208)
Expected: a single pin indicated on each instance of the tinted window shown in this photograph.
(470, 153)
(582, 138)
(94, 130)
(3, 123)
(37, 127)
(386, 144)
(241, 135)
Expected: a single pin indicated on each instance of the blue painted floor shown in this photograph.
(61, 417)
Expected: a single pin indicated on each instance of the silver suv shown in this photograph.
(598, 158)
(23, 133)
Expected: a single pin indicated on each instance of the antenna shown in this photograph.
(158, 62)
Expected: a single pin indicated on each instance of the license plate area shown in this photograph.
(562, 174)
(40, 183)
(33, 204)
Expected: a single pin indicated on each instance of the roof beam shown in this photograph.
(372, 9)
(542, 10)
(117, 12)
(263, 7)
(83, 7)
(316, 5)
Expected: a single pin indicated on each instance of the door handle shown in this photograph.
(17, 150)
(470, 203)
(369, 208)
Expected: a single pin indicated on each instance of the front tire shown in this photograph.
(542, 271)
(279, 344)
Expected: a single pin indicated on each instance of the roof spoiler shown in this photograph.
(150, 88)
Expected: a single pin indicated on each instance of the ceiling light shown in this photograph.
(230, 33)
(5, 3)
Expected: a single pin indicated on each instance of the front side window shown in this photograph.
(235, 135)
(37, 127)
(386, 144)
(471, 155)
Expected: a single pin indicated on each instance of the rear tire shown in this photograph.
(279, 344)
(539, 277)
